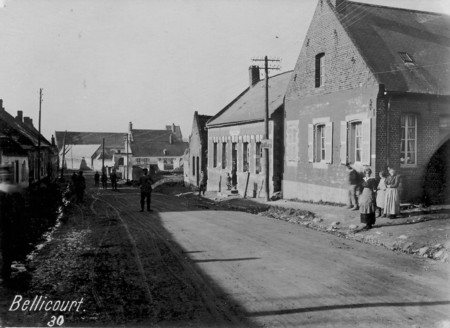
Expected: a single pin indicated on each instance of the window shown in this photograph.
(408, 153)
(319, 142)
(168, 164)
(224, 155)
(138, 160)
(320, 69)
(215, 154)
(245, 157)
(258, 155)
(355, 140)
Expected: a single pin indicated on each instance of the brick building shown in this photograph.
(371, 87)
(198, 150)
(235, 135)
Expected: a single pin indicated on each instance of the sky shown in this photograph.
(104, 63)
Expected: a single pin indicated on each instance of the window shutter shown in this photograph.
(343, 150)
(310, 143)
(366, 133)
(329, 142)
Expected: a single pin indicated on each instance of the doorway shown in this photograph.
(436, 186)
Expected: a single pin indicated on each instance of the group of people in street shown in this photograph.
(104, 179)
(369, 196)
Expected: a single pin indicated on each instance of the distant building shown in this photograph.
(84, 150)
(20, 146)
(156, 150)
(236, 135)
(198, 150)
(371, 87)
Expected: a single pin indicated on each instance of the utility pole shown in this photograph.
(127, 161)
(266, 144)
(63, 156)
(103, 157)
(39, 139)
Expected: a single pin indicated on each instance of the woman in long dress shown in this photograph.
(381, 192)
(392, 200)
(367, 199)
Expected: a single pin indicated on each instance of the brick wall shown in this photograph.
(238, 133)
(348, 88)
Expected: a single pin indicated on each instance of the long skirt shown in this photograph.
(381, 197)
(367, 207)
(392, 202)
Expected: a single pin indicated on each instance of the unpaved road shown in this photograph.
(190, 264)
(285, 275)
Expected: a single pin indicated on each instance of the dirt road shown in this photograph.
(188, 263)
(284, 275)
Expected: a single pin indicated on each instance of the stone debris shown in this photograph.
(403, 237)
(423, 251)
(353, 227)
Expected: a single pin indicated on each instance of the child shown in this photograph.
(381, 193)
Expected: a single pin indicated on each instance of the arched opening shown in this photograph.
(437, 177)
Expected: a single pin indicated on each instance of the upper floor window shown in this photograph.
(408, 148)
(320, 69)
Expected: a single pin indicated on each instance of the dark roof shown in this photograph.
(112, 139)
(10, 148)
(201, 125)
(177, 131)
(249, 106)
(152, 143)
(382, 33)
(24, 134)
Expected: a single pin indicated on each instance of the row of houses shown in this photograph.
(21, 144)
(371, 87)
(127, 153)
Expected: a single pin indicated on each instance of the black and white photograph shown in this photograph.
(225, 163)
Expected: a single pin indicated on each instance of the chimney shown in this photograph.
(173, 127)
(1, 105)
(338, 5)
(28, 121)
(53, 140)
(130, 126)
(19, 116)
(253, 72)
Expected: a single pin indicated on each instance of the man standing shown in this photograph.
(80, 186)
(353, 188)
(202, 186)
(145, 182)
(96, 179)
(113, 178)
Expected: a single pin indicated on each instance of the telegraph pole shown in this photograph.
(266, 144)
(39, 138)
(103, 157)
(63, 156)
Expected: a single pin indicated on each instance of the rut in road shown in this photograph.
(146, 234)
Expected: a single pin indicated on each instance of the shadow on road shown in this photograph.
(343, 307)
